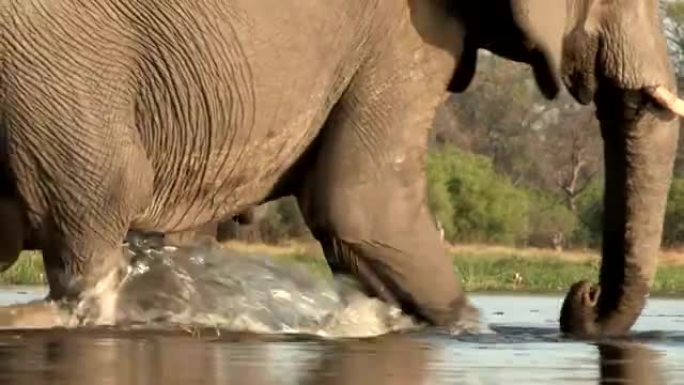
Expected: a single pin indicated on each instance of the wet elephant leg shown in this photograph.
(86, 215)
(391, 245)
(85, 271)
(246, 217)
(365, 202)
(81, 265)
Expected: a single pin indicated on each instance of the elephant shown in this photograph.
(168, 115)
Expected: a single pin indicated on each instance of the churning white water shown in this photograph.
(206, 285)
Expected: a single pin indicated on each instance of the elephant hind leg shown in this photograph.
(246, 217)
(83, 254)
(78, 271)
(88, 214)
(83, 242)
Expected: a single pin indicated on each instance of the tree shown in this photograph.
(574, 151)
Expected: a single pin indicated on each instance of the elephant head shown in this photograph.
(611, 52)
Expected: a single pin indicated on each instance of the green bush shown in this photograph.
(551, 223)
(590, 216)
(282, 221)
(473, 202)
(439, 198)
(673, 232)
(590, 211)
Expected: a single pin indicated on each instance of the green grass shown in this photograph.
(546, 274)
(478, 272)
(28, 270)
(538, 274)
(514, 273)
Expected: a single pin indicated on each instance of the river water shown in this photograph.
(523, 346)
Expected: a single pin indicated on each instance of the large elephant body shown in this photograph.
(167, 115)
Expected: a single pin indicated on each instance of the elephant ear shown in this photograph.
(542, 24)
(465, 70)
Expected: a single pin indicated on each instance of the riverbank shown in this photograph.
(486, 268)
(483, 268)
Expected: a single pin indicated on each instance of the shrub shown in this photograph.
(590, 216)
(473, 202)
(282, 221)
(551, 223)
(673, 232)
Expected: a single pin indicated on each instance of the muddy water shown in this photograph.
(523, 346)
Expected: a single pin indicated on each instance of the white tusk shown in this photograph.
(667, 99)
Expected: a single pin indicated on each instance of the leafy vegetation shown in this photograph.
(474, 202)
(28, 270)
(481, 268)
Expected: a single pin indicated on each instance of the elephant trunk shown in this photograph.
(621, 62)
(639, 148)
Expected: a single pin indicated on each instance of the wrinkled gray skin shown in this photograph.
(167, 115)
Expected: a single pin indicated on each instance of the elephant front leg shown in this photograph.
(365, 202)
(364, 196)
(381, 233)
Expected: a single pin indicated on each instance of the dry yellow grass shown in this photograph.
(312, 249)
(527, 252)
(490, 267)
(670, 257)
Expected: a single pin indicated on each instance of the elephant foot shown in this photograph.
(467, 321)
(39, 314)
(578, 317)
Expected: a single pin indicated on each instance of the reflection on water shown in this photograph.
(629, 362)
(37, 358)
(178, 360)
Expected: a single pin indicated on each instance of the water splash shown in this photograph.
(205, 285)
